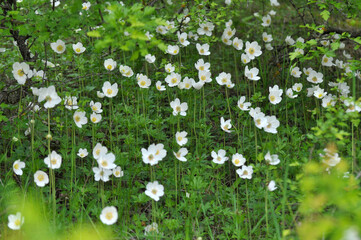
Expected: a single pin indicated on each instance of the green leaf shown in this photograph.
(95, 34)
(325, 15)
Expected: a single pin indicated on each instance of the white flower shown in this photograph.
(220, 157)
(83, 152)
(252, 74)
(150, 58)
(204, 76)
(193, 35)
(80, 119)
(15, 221)
(297, 87)
(266, 21)
(267, 37)
(181, 138)
(274, 3)
(182, 38)
(49, 94)
(226, 40)
(198, 85)
(348, 56)
(268, 46)
(106, 161)
(78, 48)
(186, 84)
(245, 172)
(17, 167)
(226, 125)
(205, 28)
(152, 228)
(154, 190)
(319, 93)
(272, 13)
(53, 160)
(253, 50)
(96, 107)
(159, 86)
(272, 186)
(110, 90)
(329, 100)
(173, 50)
(295, 72)
(290, 41)
(21, 72)
(99, 150)
(315, 77)
(169, 68)
(58, 46)
(100, 94)
(327, 61)
(161, 29)
(95, 118)
(117, 172)
(109, 215)
(101, 174)
(178, 107)
(143, 81)
(237, 43)
(71, 103)
(330, 158)
(289, 93)
(126, 71)
(149, 155)
(180, 154)
(203, 49)
(110, 64)
(352, 106)
(86, 6)
(242, 104)
(272, 124)
(41, 178)
(223, 78)
(229, 32)
(173, 79)
(228, 2)
(254, 111)
(272, 159)
(260, 120)
(275, 94)
(245, 59)
(238, 160)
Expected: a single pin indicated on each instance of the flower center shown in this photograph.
(203, 78)
(180, 138)
(236, 161)
(298, 89)
(94, 108)
(272, 98)
(142, 83)
(251, 51)
(109, 67)
(17, 222)
(219, 158)
(16, 166)
(41, 177)
(241, 105)
(187, 85)
(77, 118)
(224, 80)
(94, 119)
(178, 155)
(178, 108)
(104, 163)
(150, 157)
(154, 191)
(229, 33)
(53, 161)
(109, 91)
(175, 51)
(314, 79)
(182, 40)
(202, 50)
(117, 173)
(206, 28)
(97, 152)
(21, 72)
(325, 60)
(60, 48)
(320, 95)
(109, 215)
(201, 68)
(48, 98)
(174, 80)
